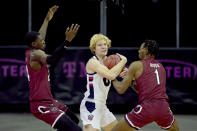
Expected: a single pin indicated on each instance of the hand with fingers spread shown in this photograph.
(51, 12)
(71, 32)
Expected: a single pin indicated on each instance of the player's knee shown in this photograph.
(174, 127)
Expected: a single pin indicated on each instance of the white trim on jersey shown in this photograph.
(131, 124)
(57, 119)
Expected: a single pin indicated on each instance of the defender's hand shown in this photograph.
(124, 72)
(51, 12)
(71, 32)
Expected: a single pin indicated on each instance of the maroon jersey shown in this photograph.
(39, 83)
(151, 84)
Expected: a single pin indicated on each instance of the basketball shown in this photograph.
(111, 61)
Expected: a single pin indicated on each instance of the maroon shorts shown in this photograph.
(150, 111)
(48, 111)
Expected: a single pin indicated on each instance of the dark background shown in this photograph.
(128, 26)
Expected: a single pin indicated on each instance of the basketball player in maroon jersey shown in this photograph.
(150, 77)
(42, 104)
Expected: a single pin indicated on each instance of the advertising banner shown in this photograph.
(68, 77)
(180, 65)
(13, 80)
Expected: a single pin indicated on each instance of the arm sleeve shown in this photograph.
(57, 54)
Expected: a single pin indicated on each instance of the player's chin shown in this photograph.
(43, 48)
(140, 57)
(104, 53)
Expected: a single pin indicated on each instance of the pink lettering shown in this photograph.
(177, 72)
(168, 71)
(69, 69)
(13, 71)
(187, 72)
(82, 69)
(5, 70)
(22, 71)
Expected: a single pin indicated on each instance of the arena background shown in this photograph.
(126, 22)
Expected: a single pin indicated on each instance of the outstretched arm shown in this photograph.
(60, 50)
(49, 16)
(38, 57)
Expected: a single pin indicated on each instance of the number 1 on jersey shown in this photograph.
(157, 76)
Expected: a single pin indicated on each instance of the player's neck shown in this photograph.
(149, 56)
(100, 58)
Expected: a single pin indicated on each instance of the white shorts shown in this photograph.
(95, 113)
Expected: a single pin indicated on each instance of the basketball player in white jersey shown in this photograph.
(93, 110)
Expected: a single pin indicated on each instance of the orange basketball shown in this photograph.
(111, 61)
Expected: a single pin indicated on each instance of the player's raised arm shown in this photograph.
(70, 33)
(49, 16)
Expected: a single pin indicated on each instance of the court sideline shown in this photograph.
(27, 122)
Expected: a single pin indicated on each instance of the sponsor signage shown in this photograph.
(68, 80)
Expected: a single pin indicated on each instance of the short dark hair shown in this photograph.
(31, 37)
(153, 47)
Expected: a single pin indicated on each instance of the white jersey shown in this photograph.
(97, 87)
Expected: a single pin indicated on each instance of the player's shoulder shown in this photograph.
(92, 61)
(37, 51)
(28, 52)
(136, 64)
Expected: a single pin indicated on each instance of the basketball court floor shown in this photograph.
(27, 122)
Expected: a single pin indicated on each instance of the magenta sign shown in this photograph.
(12, 68)
(73, 69)
(174, 69)
(69, 76)
(179, 69)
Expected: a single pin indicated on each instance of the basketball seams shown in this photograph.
(109, 65)
(111, 61)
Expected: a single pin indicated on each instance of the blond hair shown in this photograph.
(95, 38)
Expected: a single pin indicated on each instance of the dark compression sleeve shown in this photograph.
(57, 54)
